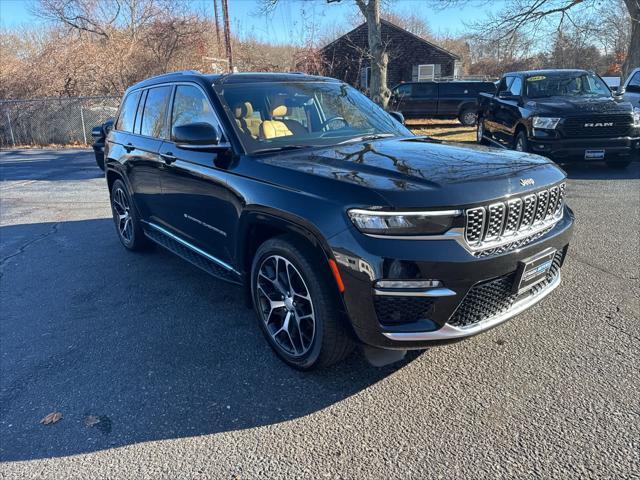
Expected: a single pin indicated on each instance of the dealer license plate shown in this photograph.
(533, 270)
(594, 154)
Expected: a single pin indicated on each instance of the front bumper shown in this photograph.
(575, 148)
(363, 260)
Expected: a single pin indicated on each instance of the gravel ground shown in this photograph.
(173, 369)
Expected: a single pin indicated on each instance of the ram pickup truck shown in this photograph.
(562, 114)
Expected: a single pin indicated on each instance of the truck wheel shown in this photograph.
(468, 117)
(618, 164)
(296, 303)
(480, 132)
(126, 219)
(521, 143)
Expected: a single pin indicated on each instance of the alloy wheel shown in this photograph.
(285, 305)
(122, 214)
(520, 145)
(469, 118)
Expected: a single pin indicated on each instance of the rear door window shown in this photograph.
(154, 115)
(127, 116)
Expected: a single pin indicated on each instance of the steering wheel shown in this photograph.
(327, 122)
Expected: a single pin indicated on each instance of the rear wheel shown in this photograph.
(296, 304)
(126, 218)
(468, 117)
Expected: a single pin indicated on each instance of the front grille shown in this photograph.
(494, 297)
(396, 310)
(513, 221)
(585, 126)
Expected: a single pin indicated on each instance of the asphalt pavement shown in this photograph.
(160, 371)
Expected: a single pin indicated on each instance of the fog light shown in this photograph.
(406, 284)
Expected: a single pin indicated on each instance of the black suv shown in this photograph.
(563, 114)
(341, 226)
(456, 99)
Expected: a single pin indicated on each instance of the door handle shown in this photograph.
(129, 147)
(168, 158)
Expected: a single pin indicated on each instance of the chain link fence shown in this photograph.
(46, 121)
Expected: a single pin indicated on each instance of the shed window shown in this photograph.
(426, 72)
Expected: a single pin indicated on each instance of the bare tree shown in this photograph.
(535, 16)
(378, 55)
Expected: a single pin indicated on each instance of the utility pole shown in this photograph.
(227, 34)
(215, 13)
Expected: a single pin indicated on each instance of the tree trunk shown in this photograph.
(378, 90)
(633, 53)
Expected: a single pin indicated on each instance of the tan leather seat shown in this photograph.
(275, 128)
(245, 119)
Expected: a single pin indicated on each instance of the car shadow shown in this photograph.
(48, 164)
(136, 347)
(600, 171)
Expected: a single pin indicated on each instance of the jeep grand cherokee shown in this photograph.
(341, 225)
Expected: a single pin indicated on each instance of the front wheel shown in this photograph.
(521, 144)
(480, 132)
(297, 305)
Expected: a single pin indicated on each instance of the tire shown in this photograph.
(618, 164)
(126, 220)
(290, 280)
(468, 117)
(480, 132)
(521, 143)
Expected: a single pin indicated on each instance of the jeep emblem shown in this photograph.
(525, 182)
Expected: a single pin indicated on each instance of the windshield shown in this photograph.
(576, 85)
(283, 115)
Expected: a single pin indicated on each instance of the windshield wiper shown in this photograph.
(281, 148)
(373, 136)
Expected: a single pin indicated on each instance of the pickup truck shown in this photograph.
(457, 99)
(563, 114)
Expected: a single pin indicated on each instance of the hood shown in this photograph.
(564, 106)
(418, 172)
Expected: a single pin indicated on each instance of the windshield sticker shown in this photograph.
(536, 78)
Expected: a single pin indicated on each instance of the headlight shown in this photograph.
(548, 123)
(380, 222)
(636, 116)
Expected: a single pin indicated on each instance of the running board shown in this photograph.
(191, 253)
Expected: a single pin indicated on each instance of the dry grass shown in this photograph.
(447, 130)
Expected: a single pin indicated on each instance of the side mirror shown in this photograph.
(196, 136)
(398, 117)
(504, 95)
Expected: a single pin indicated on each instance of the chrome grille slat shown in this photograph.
(529, 210)
(541, 209)
(514, 213)
(475, 225)
(501, 226)
(496, 221)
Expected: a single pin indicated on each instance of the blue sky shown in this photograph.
(285, 24)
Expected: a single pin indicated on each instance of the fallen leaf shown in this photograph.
(91, 420)
(53, 417)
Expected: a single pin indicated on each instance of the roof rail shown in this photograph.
(179, 72)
